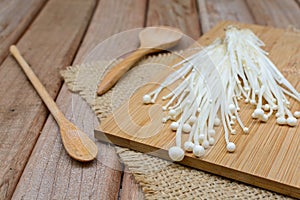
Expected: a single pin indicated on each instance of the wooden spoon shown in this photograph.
(78, 145)
(152, 39)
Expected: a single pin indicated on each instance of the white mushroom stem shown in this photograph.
(214, 80)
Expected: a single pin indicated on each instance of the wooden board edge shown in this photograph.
(224, 23)
(218, 170)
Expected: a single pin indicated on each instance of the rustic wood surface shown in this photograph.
(211, 12)
(130, 188)
(100, 179)
(77, 143)
(53, 34)
(180, 14)
(48, 46)
(277, 13)
(15, 17)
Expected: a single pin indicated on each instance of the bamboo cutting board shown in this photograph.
(267, 157)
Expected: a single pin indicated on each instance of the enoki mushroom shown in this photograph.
(214, 80)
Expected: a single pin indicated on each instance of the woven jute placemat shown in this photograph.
(159, 179)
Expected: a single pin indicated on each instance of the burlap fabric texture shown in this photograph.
(159, 179)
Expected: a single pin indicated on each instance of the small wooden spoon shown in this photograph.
(152, 39)
(78, 145)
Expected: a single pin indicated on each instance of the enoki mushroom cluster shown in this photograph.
(213, 81)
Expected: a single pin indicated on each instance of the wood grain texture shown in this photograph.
(111, 18)
(50, 173)
(15, 17)
(276, 13)
(77, 144)
(179, 14)
(212, 12)
(49, 44)
(269, 160)
(130, 188)
(115, 19)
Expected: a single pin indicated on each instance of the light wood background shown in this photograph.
(53, 34)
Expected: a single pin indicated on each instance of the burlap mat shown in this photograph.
(159, 179)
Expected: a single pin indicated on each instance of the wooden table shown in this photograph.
(53, 34)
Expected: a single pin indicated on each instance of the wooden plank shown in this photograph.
(15, 17)
(212, 12)
(49, 44)
(130, 188)
(276, 13)
(268, 160)
(113, 18)
(50, 173)
(180, 14)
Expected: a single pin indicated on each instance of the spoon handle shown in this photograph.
(57, 114)
(112, 77)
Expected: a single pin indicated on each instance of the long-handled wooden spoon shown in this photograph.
(152, 39)
(78, 145)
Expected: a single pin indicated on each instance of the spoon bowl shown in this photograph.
(162, 37)
(77, 144)
(152, 39)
